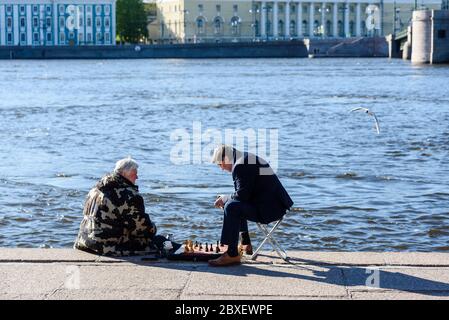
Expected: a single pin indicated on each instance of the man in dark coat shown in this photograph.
(259, 196)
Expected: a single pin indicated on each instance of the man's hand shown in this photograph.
(219, 203)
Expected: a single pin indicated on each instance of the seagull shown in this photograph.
(371, 114)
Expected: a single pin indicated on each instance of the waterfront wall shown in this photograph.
(353, 47)
(350, 47)
(287, 49)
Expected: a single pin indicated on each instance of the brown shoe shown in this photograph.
(224, 260)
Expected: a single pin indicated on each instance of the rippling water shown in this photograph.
(65, 123)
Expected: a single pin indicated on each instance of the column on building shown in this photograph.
(2, 25)
(263, 19)
(16, 29)
(275, 19)
(287, 18)
(299, 19)
(323, 19)
(335, 19)
(55, 36)
(311, 18)
(358, 28)
(346, 6)
(114, 22)
(29, 25)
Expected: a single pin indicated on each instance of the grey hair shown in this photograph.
(225, 150)
(125, 165)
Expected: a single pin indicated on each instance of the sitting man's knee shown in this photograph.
(232, 207)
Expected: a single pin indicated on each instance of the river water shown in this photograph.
(65, 123)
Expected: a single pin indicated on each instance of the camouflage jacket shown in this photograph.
(115, 222)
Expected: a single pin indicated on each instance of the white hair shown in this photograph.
(125, 165)
(224, 150)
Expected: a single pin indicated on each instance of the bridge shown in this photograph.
(397, 43)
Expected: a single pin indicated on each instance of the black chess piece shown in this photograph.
(207, 248)
(196, 244)
(217, 248)
(211, 249)
(201, 246)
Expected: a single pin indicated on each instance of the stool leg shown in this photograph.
(276, 246)
(256, 253)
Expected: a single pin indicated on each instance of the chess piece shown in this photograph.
(201, 246)
(207, 248)
(217, 248)
(211, 249)
(196, 244)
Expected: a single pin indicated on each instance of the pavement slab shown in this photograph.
(71, 274)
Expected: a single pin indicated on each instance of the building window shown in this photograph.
(62, 37)
(235, 8)
(61, 10)
(80, 37)
(48, 37)
(35, 22)
(200, 8)
(98, 37)
(98, 22)
(81, 21)
(305, 27)
(107, 23)
(89, 22)
(235, 26)
(89, 37)
(281, 27)
(107, 37)
(35, 9)
(218, 25)
(22, 9)
(218, 7)
(35, 37)
(71, 35)
(98, 10)
(22, 37)
(9, 22)
(48, 22)
(89, 9)
(293, 27)
(49, 10)
(9, 9)
(200, 25)
(107, 10)
(9, 37)
(22, 22)
(441, 34)
(61, 22)
(293, 9)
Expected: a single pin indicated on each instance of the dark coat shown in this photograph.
(256, 183)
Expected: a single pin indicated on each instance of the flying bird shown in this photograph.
(367, 111)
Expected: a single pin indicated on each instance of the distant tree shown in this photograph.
(131, 20)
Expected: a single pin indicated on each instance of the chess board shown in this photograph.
(197, 252)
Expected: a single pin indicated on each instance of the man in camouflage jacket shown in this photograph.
(115, 222)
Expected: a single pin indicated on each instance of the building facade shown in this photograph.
(184, 21)
(57, 22)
